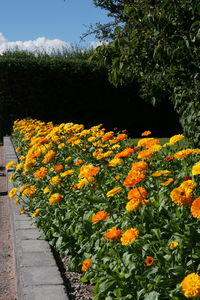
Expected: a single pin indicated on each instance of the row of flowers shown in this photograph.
(126, 214)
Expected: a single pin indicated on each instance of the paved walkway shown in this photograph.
(37, 274)
(7, 263)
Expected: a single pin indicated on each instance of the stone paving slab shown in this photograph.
(38, 276)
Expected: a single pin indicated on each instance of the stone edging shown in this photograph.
(37, 274)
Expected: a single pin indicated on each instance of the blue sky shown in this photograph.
(23, 22)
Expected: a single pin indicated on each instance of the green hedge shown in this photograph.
(61, 88)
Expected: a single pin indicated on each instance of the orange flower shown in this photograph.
(167, 181)
(133, 205)
(190, 286)
(138, 193)
(107, 136)
(58, 168)
(146, 133)
(86, 264)
(49, 156)
(133, 178)
(42, 172)
(140, 166)
(151, 143)
(125, 153)
(55, 198)
(129, 236)
(144, 154)
(88, 171)
(195, 208)
(99, 216)
(22, 210)
(113, 234)
(149, 261)
(182, 196)
(168, 158)
(78, 162)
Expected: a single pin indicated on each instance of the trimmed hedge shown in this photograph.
(58, 88)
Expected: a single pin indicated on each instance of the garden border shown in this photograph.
(37, 274)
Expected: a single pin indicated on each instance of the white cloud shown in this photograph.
(41, 44)
(94, 44)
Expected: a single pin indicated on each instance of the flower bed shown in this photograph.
(127, 215)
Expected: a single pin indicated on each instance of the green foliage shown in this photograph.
(159, 46)
(168, 227)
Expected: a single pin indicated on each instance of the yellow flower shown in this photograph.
(133, 205)
(159, 173)
(66, 173)
(34, 214)
(11, 178)
(190, 286)
(176, 138)
(129, 236)
(196, 169)
(55, 198)
(29, 191)
(173, 245)
(60, 146)
(22, 210)
(113, 191)
(114, 162)
(13, 192)
(55, 180)
(19, 166)
(16, 201)
(46, 190)
(10, 164)
(182, 196)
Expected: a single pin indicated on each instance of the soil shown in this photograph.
(7, 263)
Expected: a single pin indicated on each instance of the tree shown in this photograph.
(157, 43)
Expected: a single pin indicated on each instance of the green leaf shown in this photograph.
(152, 296)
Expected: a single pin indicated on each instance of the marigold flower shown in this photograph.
(55, 180)
(55, 198)
(60, 146)
(88, 171)
(167, 181)
(129, 236)
(107, 136)
(140, 166)
(142, 142)
(190, 286)
(133, 205)
(99, 216)
(146, 133)
(182, 196)
(182, 153)
(58, 168)
(176, 138)
(196, 169)
(13, 192)
(22, 210)
(149, 261)
(16, 201)
(133, 178)
(195, 208)
(34, 214)
(10, 164)
(78, 162)
(42, 172)
(144, 154)
(125, 153)
(46, 190)
(83, 182)
(173, 245)
(113, 234)
(114, 162)
(113, 191)
(66, 173)
(86, 264)
(138, 193)
(152, 143)
(159, 173)
(49, 156)
(155, 148)
(11, 177)
(169, 158)
(29, 191)
(189, 184)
